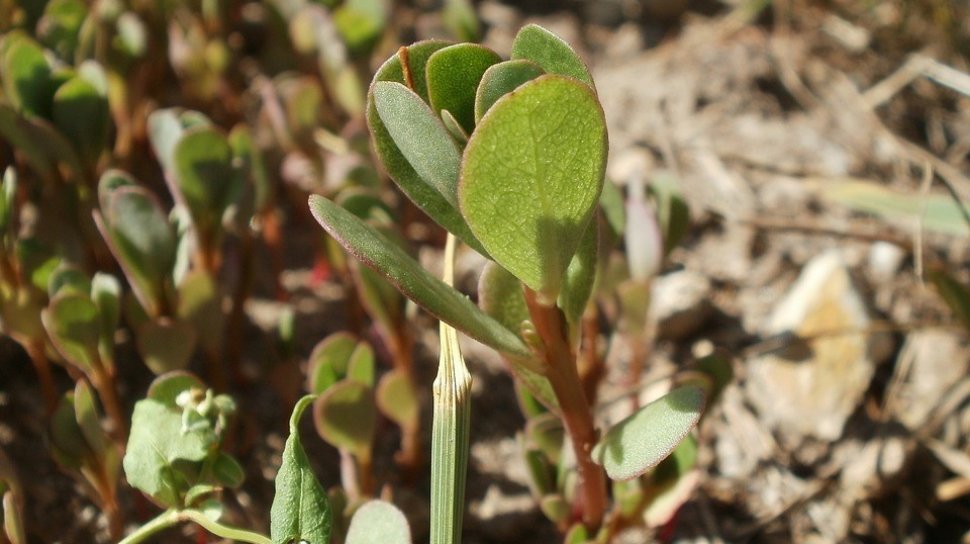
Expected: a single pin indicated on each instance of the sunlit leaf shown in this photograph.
(641, 441)
(378, 522)
(531, 178)
(453, 75)
(550, 52)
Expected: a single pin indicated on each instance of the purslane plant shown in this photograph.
(509, 156)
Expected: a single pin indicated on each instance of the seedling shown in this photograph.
(509, 157)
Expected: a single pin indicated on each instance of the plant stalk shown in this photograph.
(550, 324)
(169, 518)
(450, 426)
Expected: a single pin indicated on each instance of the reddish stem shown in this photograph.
(550, 324)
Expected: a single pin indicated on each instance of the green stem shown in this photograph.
(169, 518)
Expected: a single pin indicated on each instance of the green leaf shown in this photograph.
(167, 387)
(360, 367)
(42, 145)
(460, 18)
(139, 235)
(157, 442)
(200, 305)
(80, 111)
(8, 200)
(165, 344)
(641, 441)
(361, 22)
(28, 81)
(580, 276)
(164, 131)
(346, 417)
(419, 136)
(300, 510)
(228, 471)
(531, 178)
(424, 196)
(414, 282)
(68, 278)
(550, 52)
(555, 507)
(89, 420)
(59, 27)
(106, 295)
(672, 212)
(378, 522)
(501, 79)
(68, 444)
(938, 213)
(955, 294)
(453, 75)
(329, 360)
(398, 400)
(204, 175)
(73, 324)
(500, 296)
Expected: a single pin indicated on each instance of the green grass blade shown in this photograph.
(449, 433)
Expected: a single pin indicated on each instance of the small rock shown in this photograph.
(680, 303)
(884, 260)
(811, 388)
(936, 359)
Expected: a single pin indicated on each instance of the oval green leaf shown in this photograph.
(204, 175)
(300, 511)
(81, 113)
(165, 344)
(550, 52)
(641, 441)
(419, 135)
(397, 399)
(501, 79)
(531, 178)
(329, 360)
(378, 522)
(74, 327)
(453, 75)
(346, 417)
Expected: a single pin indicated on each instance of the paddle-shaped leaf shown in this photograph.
(329, 360)
(300, 511)
(27, 79)
(420, 137)
(501, 79)
(139, 235)
(408, 68)
(81, 113)
(531, 178)
(442, 301)
(346, 417)
(550, 52)
(378, 522)
(453, 74)
(165, 344)
(398, 400)
(639, 442)
(74, 326)
(204, 175)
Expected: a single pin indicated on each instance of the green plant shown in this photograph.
(509, 157)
